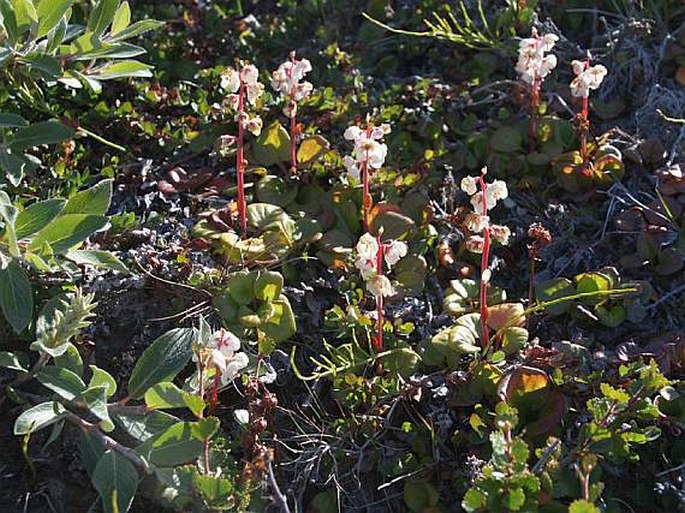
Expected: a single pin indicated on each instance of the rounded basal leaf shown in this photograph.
(248, 317)
(241, 287)
(403, 362)
(275, 191)
(395, 225)
(410, 273)
(592, 282)
(272, 146)
(506, 139)
(235, 250)
(263, 215)
(555, 289)
(268, 285)
(514, 339)
(281, 325)
(227, 308)
(420, 495)
(165, 358)
(541, 406)
(310, 149)
(669, 261)
(611, 316)
(506, 314)
(416, 206)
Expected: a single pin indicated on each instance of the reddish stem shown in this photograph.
(485, 340)
(293, 143)
(240, 162)
(585, 114)
(366, 196)
(533, 118)
(379, 298)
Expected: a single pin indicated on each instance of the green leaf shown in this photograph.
(165, 358)
(581, 506)
(70, 359)
(37, 216)
(63, 382)
(101, 378)
(67, 231)
(263, 216)
(25, 12)
(16, 297)
(10, 120)
(275, 191)
(272, 146)
(240, 287)
(514, 499)
(14, 166)
(50, 13)
(138, 28)
(102, 15)
(93, 201)
(122, 18)
(45, 132)
(8, 214)
(144, 426)
(167, 395)
(268, 286)
(506, 139)
(15, 361)
(91, 450)
(122, 69)
(181, 443)
(95, 399)
(9, 21)
(281, 325)
(102, 259)
(116, 480)
(311, 148)
(38, 417)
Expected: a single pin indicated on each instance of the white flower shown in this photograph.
(249, 74)
(380, 286)
(351, 166)
(586, 79)
(500, 233)
(394, 250)
(352, 133)
(254, 92)
(475, 222)
(533, 63)
(254, 125)
(224, 355)
(367, 253)
(469, 184)
(474, 244)
(230, 80)
(286, 80)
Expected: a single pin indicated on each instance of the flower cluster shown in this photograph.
(587, 78)
(368, 152)
(240, 85)
(288, 80)
(222, 354)
(534, 62)
(369, 261)
(478, 220)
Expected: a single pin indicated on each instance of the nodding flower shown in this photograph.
(534, 62)
(288, 80)
(587, 78)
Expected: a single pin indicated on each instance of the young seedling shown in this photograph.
(533, 66)
(477, 222)
(587, 78)
(368, 154)
(287, 81)
(244, 88)
(371, 252)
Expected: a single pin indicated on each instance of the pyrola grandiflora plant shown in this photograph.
(288, 80)
(478, 222)
(371, 252)
(244, 90)
(587, 78)
(368, 154)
